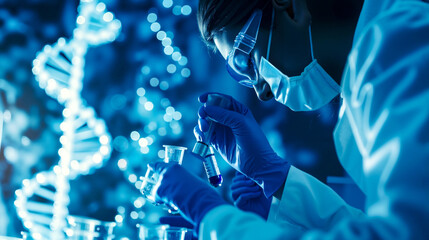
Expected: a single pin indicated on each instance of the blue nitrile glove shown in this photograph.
(241, 142)
(191, 195)
(175, 221)
(248, 196)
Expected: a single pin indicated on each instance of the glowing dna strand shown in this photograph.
(42, 202)
(38, 213)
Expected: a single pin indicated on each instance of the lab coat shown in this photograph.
(381, 138)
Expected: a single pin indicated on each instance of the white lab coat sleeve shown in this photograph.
(307, 204)
(228, 222)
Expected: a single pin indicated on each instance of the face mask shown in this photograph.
(313, 89)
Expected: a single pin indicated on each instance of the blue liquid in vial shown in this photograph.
(216, 181)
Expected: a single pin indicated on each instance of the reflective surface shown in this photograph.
(152, 232)
(81, 228)
(175, 233)
(174, 153)
(149, 181)
(163, 232)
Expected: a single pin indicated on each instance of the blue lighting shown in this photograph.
(183, 61)
(155, 27)
(141, 92)
(152, 17)
(161, 35)
(168, 50)
(177, 10)
(167, 3)
(164, 85)
(186, 10)
(146, 70)
(171, 68)
(154, 82)
(126, 88)
(186, 72)
(166, 42)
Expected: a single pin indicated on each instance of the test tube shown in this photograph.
(212, 170)
(202, 148)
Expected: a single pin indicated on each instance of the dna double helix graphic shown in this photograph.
(42, 202)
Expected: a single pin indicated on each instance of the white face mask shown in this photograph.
(313, 89)
(309, 91)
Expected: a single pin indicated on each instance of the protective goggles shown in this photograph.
(239, 63)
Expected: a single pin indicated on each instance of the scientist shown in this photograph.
(381, 138)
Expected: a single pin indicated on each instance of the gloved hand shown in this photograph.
(175, 221)
(249, 197)
(241, 142)
(192, 196)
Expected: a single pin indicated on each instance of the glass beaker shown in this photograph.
(175, 233)
(161, 232)
(152, 232)
(172, 154)
(82, 228)
(148, 182)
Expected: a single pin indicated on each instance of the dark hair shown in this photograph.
(214, 15)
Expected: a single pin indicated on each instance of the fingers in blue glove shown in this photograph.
(244, 186)
(245, 197)
(242, 182)
(234, 104)
(176, 221)
(204, 97)
(248, 196)
(249, 192)
(201, 113)
(198, 134)
(203, 124)
(223, 116)
(178, 187)
(236, 184)
(241, 177)
(159, 166)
